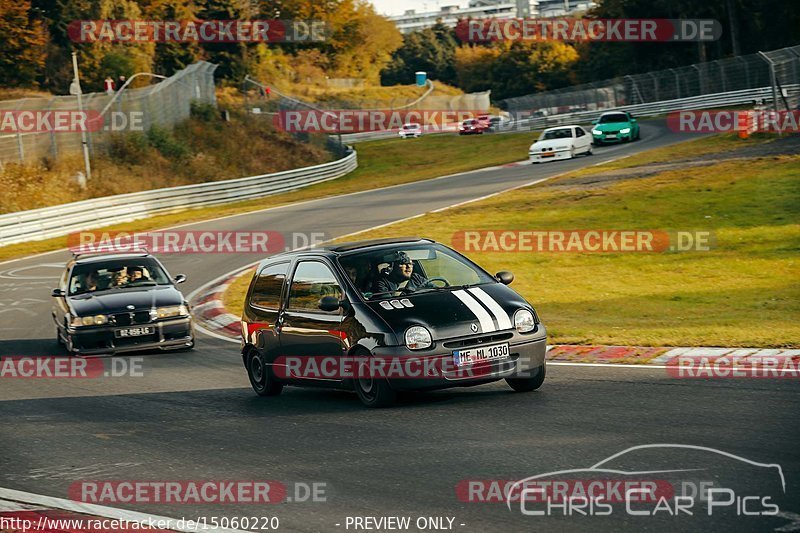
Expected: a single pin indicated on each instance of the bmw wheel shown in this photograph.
(260, 374)
(528, 383)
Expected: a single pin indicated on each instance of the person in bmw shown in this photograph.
(310, 304)
(100, 308)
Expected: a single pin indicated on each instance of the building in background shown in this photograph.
(562, 8)
(477, 9)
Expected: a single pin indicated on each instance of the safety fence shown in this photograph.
(769, 76)
(163, 104)
(61, 220)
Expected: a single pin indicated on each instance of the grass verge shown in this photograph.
(743, 292)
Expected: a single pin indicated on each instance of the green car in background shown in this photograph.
(616, 126)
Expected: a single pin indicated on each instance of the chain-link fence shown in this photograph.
(778, 69)
(164, 104)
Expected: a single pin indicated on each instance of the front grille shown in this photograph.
(611, 132)
(477, 341)
(127, 319)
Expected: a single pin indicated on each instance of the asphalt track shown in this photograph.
(192, 416)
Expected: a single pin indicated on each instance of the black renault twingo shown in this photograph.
(387, 315)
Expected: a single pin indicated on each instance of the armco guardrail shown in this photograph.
(56, 221)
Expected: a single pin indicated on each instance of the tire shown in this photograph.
(260, 375)
(589, 151)
(528, 384)
(374, 392)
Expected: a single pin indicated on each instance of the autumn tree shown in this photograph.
(23, 46)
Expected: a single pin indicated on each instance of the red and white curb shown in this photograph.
(26, 512)
(212, 316)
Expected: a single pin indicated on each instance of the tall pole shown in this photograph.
(84, 141)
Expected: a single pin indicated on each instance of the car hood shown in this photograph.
(552, 144)
(453, 312)
(117, 300)
(611, 126)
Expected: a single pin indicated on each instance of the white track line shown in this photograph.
(98, 510)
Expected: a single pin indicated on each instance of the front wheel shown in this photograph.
(260, 375)
(528, 383)
(373, 391)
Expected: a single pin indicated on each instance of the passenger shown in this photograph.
(120, 278)
(400, 276)
(90, 282)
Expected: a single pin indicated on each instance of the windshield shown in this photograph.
(614, 117)
(116, 274)
(411, 126)
(560, 133)
(410, 269)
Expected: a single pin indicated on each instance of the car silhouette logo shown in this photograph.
(474, 327)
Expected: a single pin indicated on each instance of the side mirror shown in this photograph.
(595, 121)
(180, 278)
(329, 303)
(633, 119)
(58, 293)
(504, 277)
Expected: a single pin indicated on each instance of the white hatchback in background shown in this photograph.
(411, 129)
(563, 142)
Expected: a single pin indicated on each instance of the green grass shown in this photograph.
(381, 163)
(744, 292)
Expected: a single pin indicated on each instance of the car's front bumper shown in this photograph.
(616, 137)
(169, 335)
(552, 155)
(527, 353)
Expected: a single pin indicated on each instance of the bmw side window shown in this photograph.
(268, 286)
(311, 281)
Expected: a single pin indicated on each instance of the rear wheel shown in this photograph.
(528, 383)
(260, 375)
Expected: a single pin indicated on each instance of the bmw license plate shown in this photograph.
(480, 355)
(135, 332)
(611, 136)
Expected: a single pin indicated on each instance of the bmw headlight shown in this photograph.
(418, 338)
(625, 130)
(174, 310)
(524, 321)
(96, 320)
(597, 132)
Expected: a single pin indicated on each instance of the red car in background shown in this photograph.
(471, 126)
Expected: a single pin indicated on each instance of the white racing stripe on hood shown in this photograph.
(503, 321)
(487, 324)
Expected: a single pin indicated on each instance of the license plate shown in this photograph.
(611, 136)
(135, 332)
(480, 355)
(549, 154)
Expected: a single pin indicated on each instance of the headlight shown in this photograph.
(97, 320)
(524, 321)
(597, 132)
(418, 338)
(625, 130)
(175, 310)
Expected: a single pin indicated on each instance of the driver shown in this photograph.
(136, 273)
(400, 276)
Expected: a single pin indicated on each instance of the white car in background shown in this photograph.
(562, 142)
(411, 129)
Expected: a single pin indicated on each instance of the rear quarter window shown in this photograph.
(268, 285)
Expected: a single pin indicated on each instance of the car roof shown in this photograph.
(562, 127)
(98, 257)
(333, 250)
(614, 113)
